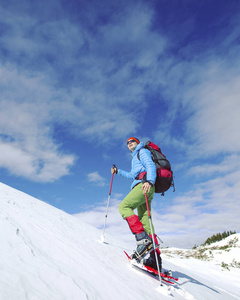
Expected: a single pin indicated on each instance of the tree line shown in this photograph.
(218, 237)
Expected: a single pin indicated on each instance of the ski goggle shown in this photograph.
(131, 141)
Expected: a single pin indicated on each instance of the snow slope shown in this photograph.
(48, 254)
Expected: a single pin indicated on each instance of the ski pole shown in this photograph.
(154, 245)
(109, 195)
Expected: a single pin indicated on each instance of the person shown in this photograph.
(139, 224)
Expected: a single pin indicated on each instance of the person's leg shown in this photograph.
(132, 201)
(143, 216)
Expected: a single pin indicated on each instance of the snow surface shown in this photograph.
(48, 254)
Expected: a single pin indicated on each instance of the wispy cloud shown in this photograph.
(97, 78)
(228, 164)
(26, 145)
(204, 95)
(96, 178)
(57, 71)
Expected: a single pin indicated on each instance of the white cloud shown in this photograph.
(57, 72)
(96, 178)
(43, 165)
(208, 105)
(202, 95)
(215, 123)
(228, 164)
(26, 145)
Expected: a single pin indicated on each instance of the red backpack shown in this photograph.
(164, 179)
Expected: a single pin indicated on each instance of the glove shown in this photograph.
(114, 170)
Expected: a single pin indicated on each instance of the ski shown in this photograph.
(165, 278)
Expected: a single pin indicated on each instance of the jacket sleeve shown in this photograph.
(125, 174)
(149, 165)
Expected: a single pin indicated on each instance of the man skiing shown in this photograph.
(139, 224)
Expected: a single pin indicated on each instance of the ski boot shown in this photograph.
(144, 245)
(151, 261)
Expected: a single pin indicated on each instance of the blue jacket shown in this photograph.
(145, 164)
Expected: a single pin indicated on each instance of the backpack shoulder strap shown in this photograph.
(138, 155)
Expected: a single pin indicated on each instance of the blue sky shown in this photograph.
(77, 78)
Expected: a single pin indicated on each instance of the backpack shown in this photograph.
(164, 179)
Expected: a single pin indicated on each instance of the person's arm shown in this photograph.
(115, 170)
(125, 174)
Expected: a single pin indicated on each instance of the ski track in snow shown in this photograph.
(48, 254)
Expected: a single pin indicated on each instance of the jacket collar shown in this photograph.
(139, 146)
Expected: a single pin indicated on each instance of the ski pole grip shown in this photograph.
(114, 167)
(111, 182)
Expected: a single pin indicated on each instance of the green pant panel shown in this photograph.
(136, 200)
(143, 216)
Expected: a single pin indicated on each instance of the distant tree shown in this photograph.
(218, 237)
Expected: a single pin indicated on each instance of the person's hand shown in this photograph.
(114, 170)
(146, 187)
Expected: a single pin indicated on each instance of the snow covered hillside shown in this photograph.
(225, 253)
(48, 254)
